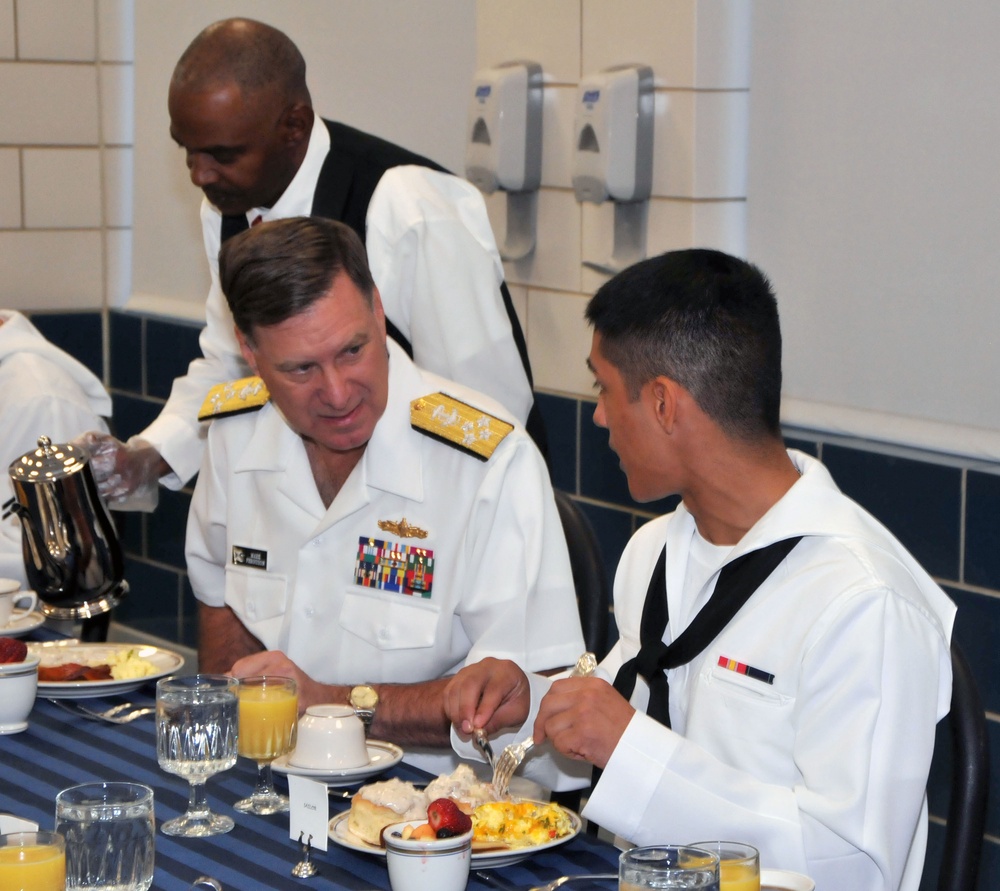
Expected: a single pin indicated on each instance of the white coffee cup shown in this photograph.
(419, 864)
(11, 595)
(330, 737)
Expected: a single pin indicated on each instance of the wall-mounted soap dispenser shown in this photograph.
(613, 154)
(504, 147)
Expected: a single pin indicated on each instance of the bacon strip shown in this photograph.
(73, 671)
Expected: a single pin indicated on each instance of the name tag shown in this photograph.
(252, 557)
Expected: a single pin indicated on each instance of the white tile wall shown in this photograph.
(59, 190)
(118, 177)
(7, 36)
(62, 30)
(560, 342)
(116, 30)
(117, 104)
(699, 53)
(50, 270)
(62, 188)
(547, 33)
(118, 244)
(48, 104)
(10, 188)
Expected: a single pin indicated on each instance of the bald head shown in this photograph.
(244, 52)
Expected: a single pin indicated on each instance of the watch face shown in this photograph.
(364, 697)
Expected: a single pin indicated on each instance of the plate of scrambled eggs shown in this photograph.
(503, 832)
(120, 667)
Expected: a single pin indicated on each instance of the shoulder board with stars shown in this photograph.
(234, 398)
(458, 424)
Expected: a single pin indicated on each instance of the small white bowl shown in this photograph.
(418, 864)
(18, 684)
(330, 737)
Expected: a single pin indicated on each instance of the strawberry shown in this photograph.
(12, 650)
(446, 819)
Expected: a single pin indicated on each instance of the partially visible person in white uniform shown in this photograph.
(241, 111)
(782, 660)
(362, 523)
(43, 392)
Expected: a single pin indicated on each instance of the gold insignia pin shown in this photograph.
(459, 424)
(402, 529)
(234, 397)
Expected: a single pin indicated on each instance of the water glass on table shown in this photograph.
(32, 861)
(663, 867)
(739, 864)
(196, 732)
(109, 831)
(269, 711)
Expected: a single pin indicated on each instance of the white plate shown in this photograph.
(785, 880)
(381, 756)
(21, 622)
(341, 835)
(59, 653)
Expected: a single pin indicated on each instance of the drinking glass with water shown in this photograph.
(668, 867)
(109, 830)
(196, 737)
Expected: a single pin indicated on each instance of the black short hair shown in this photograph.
(708, 321)
(276, 270)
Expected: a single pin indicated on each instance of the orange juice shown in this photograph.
(32, 868)
(737, 876)
(268, 720)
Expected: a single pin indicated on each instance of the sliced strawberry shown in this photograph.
(12, 650)
(447, 819)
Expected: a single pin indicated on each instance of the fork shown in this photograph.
(511, 757)
(562, 880)
(117, 714)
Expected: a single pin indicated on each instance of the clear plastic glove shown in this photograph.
(127, 473)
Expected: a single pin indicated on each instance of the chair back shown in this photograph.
(593, 593)
(970, 780)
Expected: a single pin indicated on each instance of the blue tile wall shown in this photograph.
(78, 333)
(947, 515)
(920, 502)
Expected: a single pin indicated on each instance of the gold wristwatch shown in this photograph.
(364, 699)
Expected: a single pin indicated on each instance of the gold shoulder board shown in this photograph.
(458, 424)
(233, 398)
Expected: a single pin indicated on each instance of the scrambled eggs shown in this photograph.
(127, 663)
(519, 824)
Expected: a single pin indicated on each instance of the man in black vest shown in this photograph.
(241, 111)
(782, 660)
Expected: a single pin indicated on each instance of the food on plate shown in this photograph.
(519, 824)
(73, 671)
(450, 803)
(118, 665)
(12, 650)
(378, 805)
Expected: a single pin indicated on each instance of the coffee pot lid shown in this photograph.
(49, 462)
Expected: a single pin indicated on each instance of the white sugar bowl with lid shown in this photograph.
(330, 737)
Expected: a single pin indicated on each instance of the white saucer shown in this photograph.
(381, 756)
(785, 880)
(21, 622)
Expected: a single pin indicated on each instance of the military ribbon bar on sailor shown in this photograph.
(394, 566)
(748, 670)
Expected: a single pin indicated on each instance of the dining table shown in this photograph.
(60, 749)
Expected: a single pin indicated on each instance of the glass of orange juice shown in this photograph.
(739, 864)
(269, 711)
(32, 861)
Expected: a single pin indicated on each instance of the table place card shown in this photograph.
(309, 810)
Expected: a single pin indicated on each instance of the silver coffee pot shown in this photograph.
(71, 551)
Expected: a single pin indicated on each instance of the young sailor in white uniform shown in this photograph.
(783, 661)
